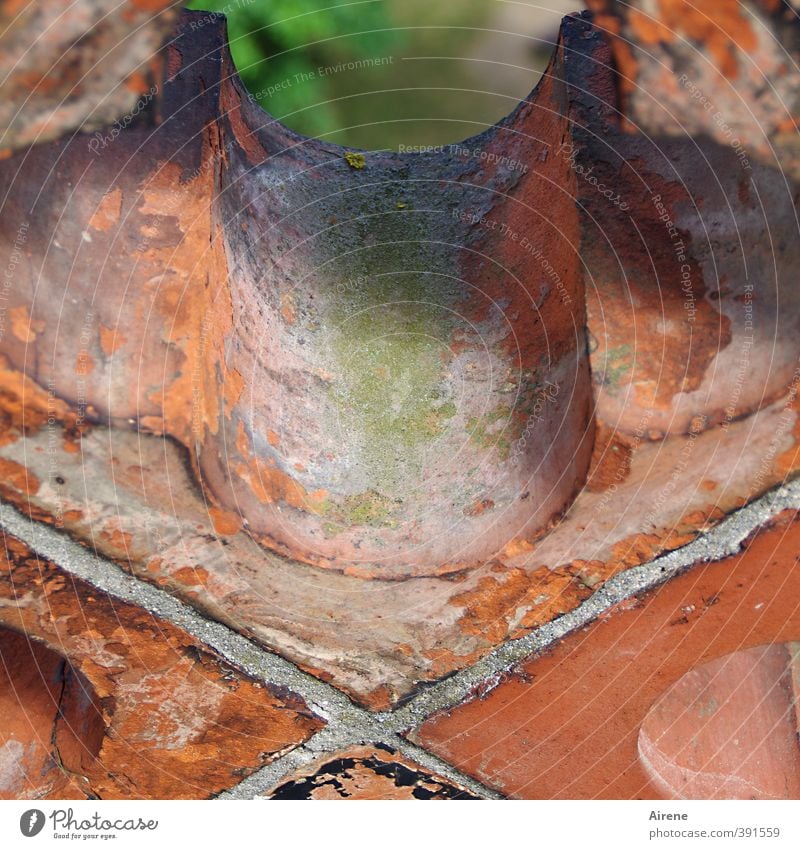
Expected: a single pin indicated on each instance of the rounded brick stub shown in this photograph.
(376, 362)
(689, 248)
(728, 729)
(414, 392)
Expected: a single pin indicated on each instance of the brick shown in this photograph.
(365, 772)
(566, 724)
(149, 471)
(125, 704)
(334, 437)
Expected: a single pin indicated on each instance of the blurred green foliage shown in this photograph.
(279, 44)
(418, 82)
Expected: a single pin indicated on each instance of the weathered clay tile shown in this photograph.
(571, 723)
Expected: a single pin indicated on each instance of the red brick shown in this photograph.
(567, 724)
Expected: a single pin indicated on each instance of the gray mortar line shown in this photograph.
(327, 702)
(331, 741)
(270, 776)
(724, 540)
(436, 765)
(347, 723)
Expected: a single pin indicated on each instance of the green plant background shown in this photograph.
(456, 66)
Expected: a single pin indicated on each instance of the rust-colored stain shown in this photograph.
(611, 460)
(225, 522)
(137, 82)
(268, 483)
(14, 475)
(723, 29)
(153, 424)
(288, 308)
(111, 340)
(196, 314)
(629, 552)
(84, 364)
(514, 600)
(608, 22)
(117, 539)
(478, 507)
(108, 211)
(643, 547)
(22, 325)
(516, 547)
(233, 388)
(442, 661)
(150, 6)
(193, 576)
